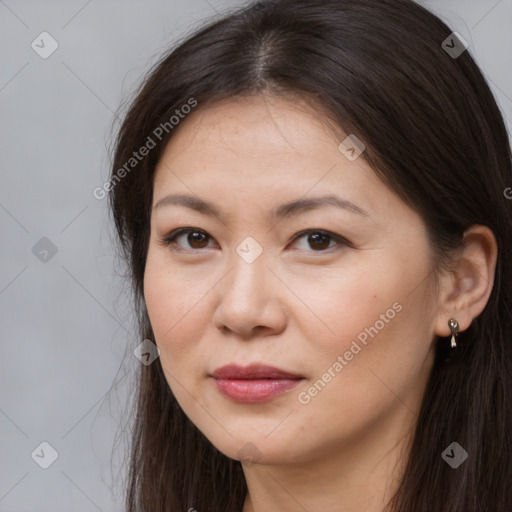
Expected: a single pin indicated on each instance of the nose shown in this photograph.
(250, 299)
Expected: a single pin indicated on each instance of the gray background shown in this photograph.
(67, 333)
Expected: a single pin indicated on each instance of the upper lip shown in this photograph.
(253, 371)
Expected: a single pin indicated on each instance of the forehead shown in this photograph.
(259, 137)
(265, 150)
(263, 114)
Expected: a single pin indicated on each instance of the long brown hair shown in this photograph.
(433, 133)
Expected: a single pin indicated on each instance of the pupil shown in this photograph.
(195, 237)
(314, 238)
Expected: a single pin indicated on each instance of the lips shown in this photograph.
(252, 372)
(253, 384)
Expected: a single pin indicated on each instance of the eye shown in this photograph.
(196, 238)
(319, 240)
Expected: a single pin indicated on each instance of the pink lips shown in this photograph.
(254, 383)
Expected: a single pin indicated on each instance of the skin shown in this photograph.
(298, 307)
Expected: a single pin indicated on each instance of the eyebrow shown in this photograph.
(284, 210)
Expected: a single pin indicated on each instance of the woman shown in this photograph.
(311, 199)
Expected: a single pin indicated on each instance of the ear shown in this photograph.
(465, 291)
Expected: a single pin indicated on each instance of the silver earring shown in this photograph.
(454, 327)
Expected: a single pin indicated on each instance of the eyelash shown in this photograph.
(171, 237)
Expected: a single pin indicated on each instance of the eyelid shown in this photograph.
(337, 238)
(171, 237)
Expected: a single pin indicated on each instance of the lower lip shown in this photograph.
(253, 391)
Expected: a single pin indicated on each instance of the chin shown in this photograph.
(258, 449)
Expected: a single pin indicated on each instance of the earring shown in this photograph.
(454, 327)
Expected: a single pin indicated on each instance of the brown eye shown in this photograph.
(319, 241)
(195, 239)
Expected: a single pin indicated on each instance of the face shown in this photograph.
(337, 296)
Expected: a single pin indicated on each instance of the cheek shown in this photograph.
(174, 307)
(343, 307)
(378, 325)
(380, 359)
